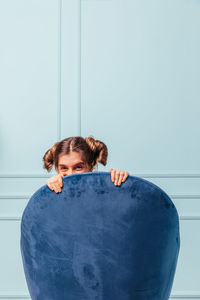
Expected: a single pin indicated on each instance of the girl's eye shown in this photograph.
(79, 167)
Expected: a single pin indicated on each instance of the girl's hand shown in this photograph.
(55, 183)
(118, 176)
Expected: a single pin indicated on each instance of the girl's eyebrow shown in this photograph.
(78, 163)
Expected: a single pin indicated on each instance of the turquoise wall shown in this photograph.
(126, 72)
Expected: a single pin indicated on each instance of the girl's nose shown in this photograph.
(70, 172)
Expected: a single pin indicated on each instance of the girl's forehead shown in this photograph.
(71, 158)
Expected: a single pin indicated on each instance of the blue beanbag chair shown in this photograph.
(98, 241)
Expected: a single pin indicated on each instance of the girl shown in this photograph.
(77, 155)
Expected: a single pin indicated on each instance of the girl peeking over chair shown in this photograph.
(75, 155)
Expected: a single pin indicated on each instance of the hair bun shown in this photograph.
(91, 143)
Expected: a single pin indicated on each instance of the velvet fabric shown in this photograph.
(98, 241)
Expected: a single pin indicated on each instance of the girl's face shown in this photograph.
(71, 164)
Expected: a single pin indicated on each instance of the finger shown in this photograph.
(117, 176)
(125, 176)
(60, 181)
(113, 175)
(50, 186)
(56, 187)
(120, 178)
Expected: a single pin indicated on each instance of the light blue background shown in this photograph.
(126, 72)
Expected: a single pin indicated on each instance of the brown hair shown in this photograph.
(92, 151)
